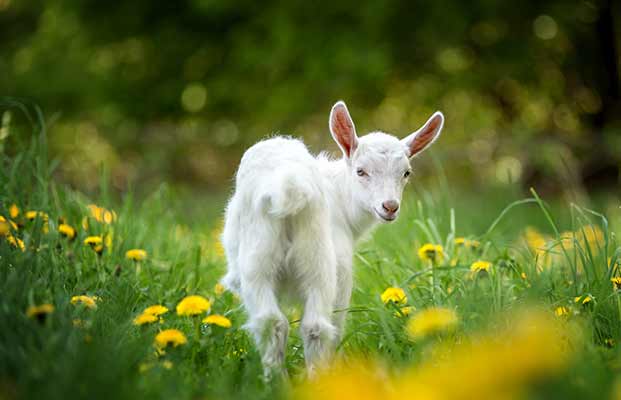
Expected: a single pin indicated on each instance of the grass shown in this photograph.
(105, 355)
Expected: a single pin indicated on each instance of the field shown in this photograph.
(519, 300)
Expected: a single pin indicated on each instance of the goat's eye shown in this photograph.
(361, 172)
(407, 173)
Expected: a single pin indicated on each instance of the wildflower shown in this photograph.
(479, 266)
(561, 311)
(155, 310)
(101, 214)
(219, 320)
(523, 275)
(87, 301)
(219, 289)
(67, 231)
(567, 240)
(16, 242)
(193, 305)
(96, 243)
(31, 215)
(136, 254)
(167, 364)
(616, 282)
(10, 224)
(431, 252)
(4, 228)
(168, 337)
(475, 244)
(145, 319)
(13, 211)
(592, 234)
(404, 311)
(585, 299)
(430, 321)
(40, 312)
(395, 295)
(535, 240)
(461, 242)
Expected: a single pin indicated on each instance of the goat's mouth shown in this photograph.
(386, 217)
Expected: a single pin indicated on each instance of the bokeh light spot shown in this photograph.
(194, 97)
(545, 27)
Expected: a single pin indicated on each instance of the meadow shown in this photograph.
(493, 294)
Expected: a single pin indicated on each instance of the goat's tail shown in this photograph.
(289, 192)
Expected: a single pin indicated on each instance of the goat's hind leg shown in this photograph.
(266, 322)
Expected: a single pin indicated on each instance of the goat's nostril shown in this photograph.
(390, 206)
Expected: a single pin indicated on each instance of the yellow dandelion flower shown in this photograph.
(218, 289)
(479, 266)
(404, 311)
(4, 228)
(40, 312)
(85, 223)
(585, 299)
(101, 214)
(31, 215)
(523, 275)
(145, 319)
(96, 243)
(10, 224)
(156, 309)
(616, 282)
(67, 231)
(395, 295)
(136, 254)
(461, 242)
(108, 239)
(431, 252)
(87, 301)
(593, 234)
(167, 364)
(93, 240)
(219, 320)
(193, 305)
(567, 240)
(168, 337)
(561, 311)
(13, 211)
(430, 321)
(16, 242)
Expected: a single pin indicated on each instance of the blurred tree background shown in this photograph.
(175, 91)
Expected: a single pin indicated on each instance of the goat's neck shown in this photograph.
(347, 209)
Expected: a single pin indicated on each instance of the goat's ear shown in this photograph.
(425, 136)
(343, 129)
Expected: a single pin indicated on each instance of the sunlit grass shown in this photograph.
(121, 297)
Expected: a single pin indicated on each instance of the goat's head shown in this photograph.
(379, 163)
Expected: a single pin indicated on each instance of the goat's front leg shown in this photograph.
(342, 299)
(315, 264)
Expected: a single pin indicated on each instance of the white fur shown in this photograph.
(292, 224)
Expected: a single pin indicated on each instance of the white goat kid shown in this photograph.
(292, 223)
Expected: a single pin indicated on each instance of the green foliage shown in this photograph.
(106, 356)
(177, 91)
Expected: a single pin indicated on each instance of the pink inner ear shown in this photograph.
(425, 136)
(343, 129)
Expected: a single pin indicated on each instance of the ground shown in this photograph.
(515, 297)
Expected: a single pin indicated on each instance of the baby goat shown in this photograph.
(292, 223)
